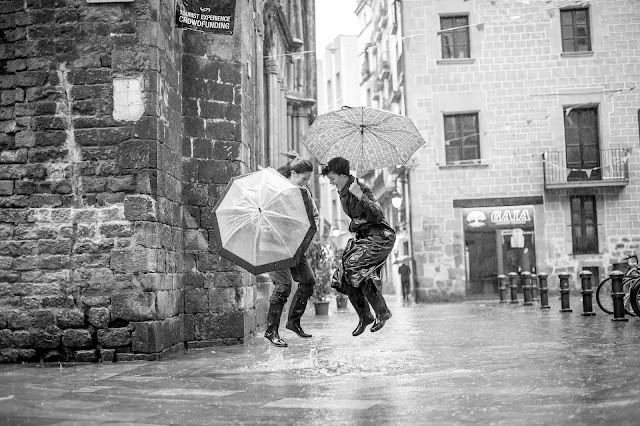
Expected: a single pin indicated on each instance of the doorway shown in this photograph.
(482, 263)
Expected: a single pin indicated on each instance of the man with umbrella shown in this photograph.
(363, 258)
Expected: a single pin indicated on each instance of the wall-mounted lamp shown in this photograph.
(396, 199)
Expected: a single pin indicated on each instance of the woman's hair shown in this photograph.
(337, 165)
(295, 163)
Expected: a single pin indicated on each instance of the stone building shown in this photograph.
(380, 52)
(529, 109)
(119, 132)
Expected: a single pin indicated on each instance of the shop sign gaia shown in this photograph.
(211, 16)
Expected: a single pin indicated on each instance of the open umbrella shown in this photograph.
(369, 138)
(263, 222)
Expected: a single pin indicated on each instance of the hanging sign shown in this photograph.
(210, 16)
(498, 217)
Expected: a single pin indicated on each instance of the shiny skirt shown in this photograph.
(363, 258)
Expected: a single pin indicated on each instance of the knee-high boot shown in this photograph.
(375, 298)
(298, 306)
(273, 323)
(361, 306)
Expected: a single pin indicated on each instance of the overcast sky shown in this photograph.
(334, 17)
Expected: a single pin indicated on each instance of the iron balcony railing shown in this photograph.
(611, 170)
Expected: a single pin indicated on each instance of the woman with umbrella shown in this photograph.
(364, 255)
(298, 171)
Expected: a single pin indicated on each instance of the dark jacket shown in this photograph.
(366, 215)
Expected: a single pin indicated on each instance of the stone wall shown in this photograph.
(518, 79)
(106, 191)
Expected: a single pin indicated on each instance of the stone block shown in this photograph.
(140, 207)
(6, 187)
(85, 356)
(196, 240)
(70, 318)
(99, 317)
(231, 325)
(48, 338)
(223, 300)
(22, 339)
(138, 154)
(196, 300)
(124, 357)
(107, 355)
(194, 280)
(169, 303)
(96, 300)
(134, 260)
(6, 337)
(37, 319)
(146, 337)
(9, 355)
(172, 332)
(114, 337)
(76, 338)
(133, 306)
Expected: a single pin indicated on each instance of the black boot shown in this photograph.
(361, 306)
(374, 296)
(298, 305)
(273, 323)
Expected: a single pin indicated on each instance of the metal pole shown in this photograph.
(617, 294)
(513, 279)
(535, 293)
(587, 293)
(502, 288)
(528, 299)
(544, 291)
(564, 292)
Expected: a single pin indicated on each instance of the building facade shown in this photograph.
(119, 133)
(380, 51)
(338, 86)
(530, 112)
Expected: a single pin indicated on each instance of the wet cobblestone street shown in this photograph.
(466, 363)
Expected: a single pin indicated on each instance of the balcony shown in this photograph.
(383, 185)
(366, 72)
(384, 69)
(611, 171)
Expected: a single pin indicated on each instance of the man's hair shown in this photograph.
(337, 165)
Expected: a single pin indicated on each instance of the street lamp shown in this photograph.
(396, 199)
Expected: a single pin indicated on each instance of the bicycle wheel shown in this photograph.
(603, 296)
(627, 286)
(634, 296)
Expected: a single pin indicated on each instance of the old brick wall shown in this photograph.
(90, 178)
(516, 71)
(219, 117)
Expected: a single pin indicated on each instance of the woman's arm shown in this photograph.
(368, 203)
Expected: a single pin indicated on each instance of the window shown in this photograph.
(576, 33)
(583, 143)
(455, 43)
(584, 224)
(462, 137)
(330, 94)
(338, 88)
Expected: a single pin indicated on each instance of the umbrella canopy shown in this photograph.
(263, 222)
(369, 138)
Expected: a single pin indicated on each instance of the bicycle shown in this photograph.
(630, 280)
(634, 297)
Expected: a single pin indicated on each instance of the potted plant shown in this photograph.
(319, 255)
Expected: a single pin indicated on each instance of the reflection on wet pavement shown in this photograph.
(473, 362)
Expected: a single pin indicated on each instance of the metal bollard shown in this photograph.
(587, 293)
(513, 279)
(502, 288)
(528, 296)
(617, 294)
(564, 292)
(535, 294)
(544, 291)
